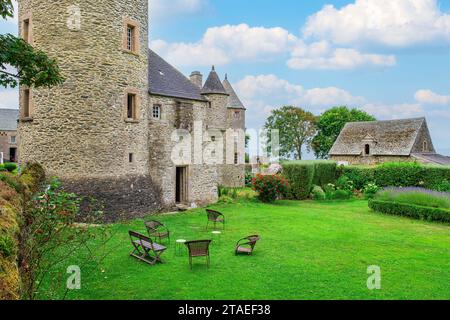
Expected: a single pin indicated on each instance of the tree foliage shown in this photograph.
(330, 125)
(20, 63)
(296, 129)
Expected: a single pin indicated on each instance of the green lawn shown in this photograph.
(308, 250)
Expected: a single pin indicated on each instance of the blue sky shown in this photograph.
(390, 58)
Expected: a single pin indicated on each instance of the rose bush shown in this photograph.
(269, 187)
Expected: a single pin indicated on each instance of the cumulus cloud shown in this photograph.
(9, 99)
(429, 97)
(321, 55)
(237, 43)
(398, 23)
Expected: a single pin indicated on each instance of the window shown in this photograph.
(213, 138)
(26, 103)
(131, 36)
(425, 146)
(12, 139)
(26, 30)
(130, 158)
(237, 115)
(157, 111)
(131, 106)
(236, 158)
(367, 150)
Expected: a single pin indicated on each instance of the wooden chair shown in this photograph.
(145, 249)
(216, 217)
(157, 230)
(247, 245)
(199, 248)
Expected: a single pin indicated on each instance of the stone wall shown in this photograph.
(423, 136)
(371, 160)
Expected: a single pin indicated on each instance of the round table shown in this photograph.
(179, 244)
(217, 234)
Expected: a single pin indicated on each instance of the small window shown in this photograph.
(12, 139)
(131, 30)
(130, 157)
(236, 158)
(367, 150)
(131, 106)
(26, 30)
(237, 115)
(213, 138)
(425, 146)
(26, 103)
(157, 111)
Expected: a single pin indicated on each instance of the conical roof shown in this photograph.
(213, 84)
(233, 100)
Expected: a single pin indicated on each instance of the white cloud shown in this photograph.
(237, 43)
(321, 55)
(398, 23)
(9, 99)
(167, 9)
(429, 97)
(221, 45)
(394, 111)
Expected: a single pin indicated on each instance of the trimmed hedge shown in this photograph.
(409, 210)
(300, 177)
(398, 175)
(325, 172)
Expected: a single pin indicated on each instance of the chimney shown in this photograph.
(197, 79)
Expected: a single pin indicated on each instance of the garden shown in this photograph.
(321, 228)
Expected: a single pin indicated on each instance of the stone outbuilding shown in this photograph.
(8, 134)
(374, 142)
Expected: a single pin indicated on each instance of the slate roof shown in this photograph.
(233, 100)
(433, 158)
(166, 80)
(393, 138)
(213, 85)
(8, 119)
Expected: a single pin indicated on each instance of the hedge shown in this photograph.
(409, 210)
(300, 177)
(398, 175)
(324, 173)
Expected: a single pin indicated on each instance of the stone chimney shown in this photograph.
(197, 79)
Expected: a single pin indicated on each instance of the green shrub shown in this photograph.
(342, 195)
(11, 180)
(325, 172)
(443, 186)
(317, 193)
(10, 166)
(359, 175)
(410, 210)
(226, 200)
(248, 179)
(300, 176)
(7, 246)
(370, 190)
(344, 183)
(269, 187)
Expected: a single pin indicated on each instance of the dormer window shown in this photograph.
(367, 150)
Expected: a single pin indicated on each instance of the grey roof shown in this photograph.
(213, 85)
(393, 137)
(165, 80)
(432, 158)
(8, 119)
(233, 100)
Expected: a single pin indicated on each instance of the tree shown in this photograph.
(296, 129)
(33, 67)
(330, 125)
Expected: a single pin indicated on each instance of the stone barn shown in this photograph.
(374, 142)
(8, 134)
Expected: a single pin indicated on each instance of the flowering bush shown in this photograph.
(370, 190)
(269, 187)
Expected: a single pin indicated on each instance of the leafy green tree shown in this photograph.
(330, 125)
(34, 67)
(296, 129)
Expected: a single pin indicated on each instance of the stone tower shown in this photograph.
(92, 131)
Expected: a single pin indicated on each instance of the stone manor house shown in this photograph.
(123, 114)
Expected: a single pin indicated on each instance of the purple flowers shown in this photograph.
(415, 195)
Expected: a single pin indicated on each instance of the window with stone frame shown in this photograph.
(237, 115)
(26, 28)
(425, 146)
(132, 106)
(131, 36)
(367, 150)
(156, 112)
(26, 103)
(12, 140)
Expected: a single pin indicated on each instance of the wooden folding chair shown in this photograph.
(145, 249)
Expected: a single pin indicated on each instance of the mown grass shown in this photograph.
(308, 250)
